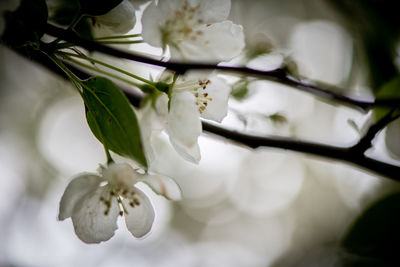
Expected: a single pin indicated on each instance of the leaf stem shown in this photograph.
(118, 37)
(103, 72)
(73, 78)
(107, 66)
(121, 42)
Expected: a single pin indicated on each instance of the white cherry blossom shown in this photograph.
(191, 97)
(193, 29)
(94, 202)
(118, 20)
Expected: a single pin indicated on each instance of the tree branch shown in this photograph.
(366, 141)
(279, 75)
(344, 154)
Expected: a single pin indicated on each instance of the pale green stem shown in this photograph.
(78, 84)
(75, 80)
(122, 42)
(118, 37)
(103, 72)
(108, 66)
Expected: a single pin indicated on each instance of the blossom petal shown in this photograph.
(218, 90)
(121, 174)
(76, 189)
(189, 153)
(155, 16)
(163, 185)
(152, 121)
(184, 126)
(211, 10)
(139, 215)
(219, 41)
(113, 19)
(91, 223)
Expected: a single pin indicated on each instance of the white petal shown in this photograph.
(122, 174)
(213, 11)
(151, 27)
(76, 189)
(219, 91)
(152, 121)
(139, 2)
(155, 16)
(154, 118)
(189, 153)
(139, 218)
(120, 19)
(184, 126)
(91, 223)
(218, 42)
(163, 185)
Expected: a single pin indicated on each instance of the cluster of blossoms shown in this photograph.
(190, 30)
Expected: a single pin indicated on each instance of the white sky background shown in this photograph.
(240, 207)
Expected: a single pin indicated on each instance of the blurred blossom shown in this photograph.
(265, 185)
(323, 51)
(319, 214)
(266, 24)
(266, 237)
(267, 62)
(64, 134)
(269, 98)
(210, 180)
(240, 207)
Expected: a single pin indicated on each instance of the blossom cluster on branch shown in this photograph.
(192, 35)
(187, 30)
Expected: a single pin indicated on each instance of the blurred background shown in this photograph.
(240, 207)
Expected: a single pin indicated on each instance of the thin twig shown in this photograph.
(279, 75)
(366, 141)
(343, 154)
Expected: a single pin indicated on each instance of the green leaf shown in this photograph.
(97, 7)
(26, 24)
(375, 236)
(390, 90)
(112, 119)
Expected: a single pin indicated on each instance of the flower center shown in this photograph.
(196, 87)
(181, 25)
(119, 192)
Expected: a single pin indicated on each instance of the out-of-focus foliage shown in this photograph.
(375, 26)
(26, 24)
(374, 238)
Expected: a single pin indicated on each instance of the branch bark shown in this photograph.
(279, 75)
(352, 155)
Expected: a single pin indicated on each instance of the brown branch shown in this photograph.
(279, 75)
(344, 154)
